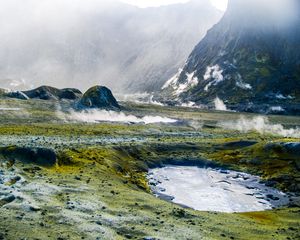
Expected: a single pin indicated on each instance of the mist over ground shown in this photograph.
(77, 43)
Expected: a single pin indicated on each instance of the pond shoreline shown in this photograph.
(214, 189)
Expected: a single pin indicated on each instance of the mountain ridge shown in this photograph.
(244, 63)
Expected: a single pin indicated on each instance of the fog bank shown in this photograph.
(76, 43)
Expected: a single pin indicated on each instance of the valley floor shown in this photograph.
(97, 187)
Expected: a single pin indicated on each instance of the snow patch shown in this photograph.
(241, 84)
(281, 96)
(213, 73)
(245, 86)
(173, 80)
(191, 81)
(277, 109)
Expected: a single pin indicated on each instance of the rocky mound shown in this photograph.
(99, 97)
(51, 93)
(289, 151)
(39, 156)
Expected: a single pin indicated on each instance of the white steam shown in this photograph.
(220, 105)
(140, 98)
(196, 125)
(95, 116)
(261, 125)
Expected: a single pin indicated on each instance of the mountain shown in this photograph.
(250, 58)
(70, 43)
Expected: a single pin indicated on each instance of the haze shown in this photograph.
(75, 43)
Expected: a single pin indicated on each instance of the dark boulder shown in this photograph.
(7, 199)
(99, 97)
(39, 156)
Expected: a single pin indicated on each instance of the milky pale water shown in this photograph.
(208, 189)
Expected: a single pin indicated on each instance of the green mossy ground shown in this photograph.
(113, 177)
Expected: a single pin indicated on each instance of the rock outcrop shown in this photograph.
(39, 156)
(99, 97)
(51, 93)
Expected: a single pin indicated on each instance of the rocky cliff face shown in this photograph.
(252, 56)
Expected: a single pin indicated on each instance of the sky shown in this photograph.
(220, 4)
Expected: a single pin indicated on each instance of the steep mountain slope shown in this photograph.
(252, 56)
(67, 43)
